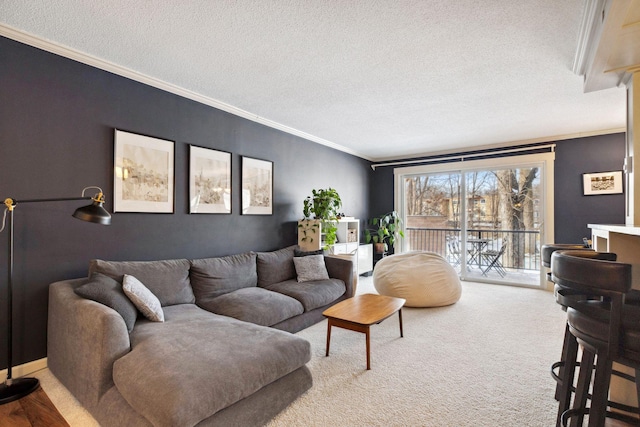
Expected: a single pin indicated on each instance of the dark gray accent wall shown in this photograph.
(382, 191)
(57, 119)
(573, 210)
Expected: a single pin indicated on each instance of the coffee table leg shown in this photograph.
(328, 336)
(400, 318)
(368, 349)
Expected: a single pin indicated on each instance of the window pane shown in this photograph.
(432, 206)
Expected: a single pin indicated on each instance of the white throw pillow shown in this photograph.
(310, 267)
(143, 298)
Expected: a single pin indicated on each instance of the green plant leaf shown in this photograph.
(323, 204)
(385, 229)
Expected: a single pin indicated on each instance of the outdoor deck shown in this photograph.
(515, 254)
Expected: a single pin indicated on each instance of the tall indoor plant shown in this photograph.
(384, 231)
(320, 210)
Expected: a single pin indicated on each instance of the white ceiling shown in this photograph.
(381, 79)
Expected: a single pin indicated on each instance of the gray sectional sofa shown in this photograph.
(225, 354)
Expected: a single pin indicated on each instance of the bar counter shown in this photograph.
(623, 240)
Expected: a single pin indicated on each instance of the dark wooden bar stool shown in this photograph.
(548, 249)
(570, 345)
(607, 329)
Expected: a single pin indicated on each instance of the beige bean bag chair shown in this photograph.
(424, 279)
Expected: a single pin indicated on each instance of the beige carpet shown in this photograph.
(481, 362)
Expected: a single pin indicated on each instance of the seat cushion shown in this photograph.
(312, 294)
(196, 363)
(168, 280)
(255, 305)
(212, 277)
(594, 327)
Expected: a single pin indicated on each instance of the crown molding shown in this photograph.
(607, 43)
(589, 32)
(64, 51)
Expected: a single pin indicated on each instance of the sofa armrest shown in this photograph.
(343, 269)
(84, 339)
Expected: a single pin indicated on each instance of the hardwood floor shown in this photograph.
(616, 423)
(34, 410)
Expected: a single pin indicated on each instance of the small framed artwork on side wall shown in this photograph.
(602, 183)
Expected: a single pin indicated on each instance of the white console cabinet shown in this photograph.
(365, 258)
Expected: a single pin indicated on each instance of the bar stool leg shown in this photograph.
(582, 389)
(561, 369)
(567, 374)
(638, 385)
(600, 395)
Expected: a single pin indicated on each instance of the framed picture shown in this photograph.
(209, 181)
(257, 186)
(602, 183)
(143, 174)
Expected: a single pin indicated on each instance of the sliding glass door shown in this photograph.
(486, 221)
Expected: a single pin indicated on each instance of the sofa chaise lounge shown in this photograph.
(224, 355)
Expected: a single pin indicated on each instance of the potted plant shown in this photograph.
(320, 210)
(384, 231)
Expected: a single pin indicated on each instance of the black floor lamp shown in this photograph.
(13, 389)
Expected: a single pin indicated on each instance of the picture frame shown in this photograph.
(602, 183)
(143, 173)
(257, 186)
(209, 181)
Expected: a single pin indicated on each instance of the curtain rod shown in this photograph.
(462, 157)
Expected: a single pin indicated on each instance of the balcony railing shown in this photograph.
(522, 251)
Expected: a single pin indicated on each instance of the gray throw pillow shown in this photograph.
(148, 304)
(108, 291)
(311, 267)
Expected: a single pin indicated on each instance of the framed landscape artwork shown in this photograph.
(602, 183)
(143, 174)
(209, 181)
(257, 186)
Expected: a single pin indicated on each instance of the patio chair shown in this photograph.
(492, 260)
(453, 251)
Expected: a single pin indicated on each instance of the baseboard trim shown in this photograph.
(25, 369)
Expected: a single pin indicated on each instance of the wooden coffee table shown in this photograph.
(360, 312)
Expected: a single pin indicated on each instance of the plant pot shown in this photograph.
(378, 248)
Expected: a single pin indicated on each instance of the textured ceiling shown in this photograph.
(379, 79)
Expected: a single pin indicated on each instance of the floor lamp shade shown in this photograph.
(93, 213)
(14, 389)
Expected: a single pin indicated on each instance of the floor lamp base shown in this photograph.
(18, 389)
